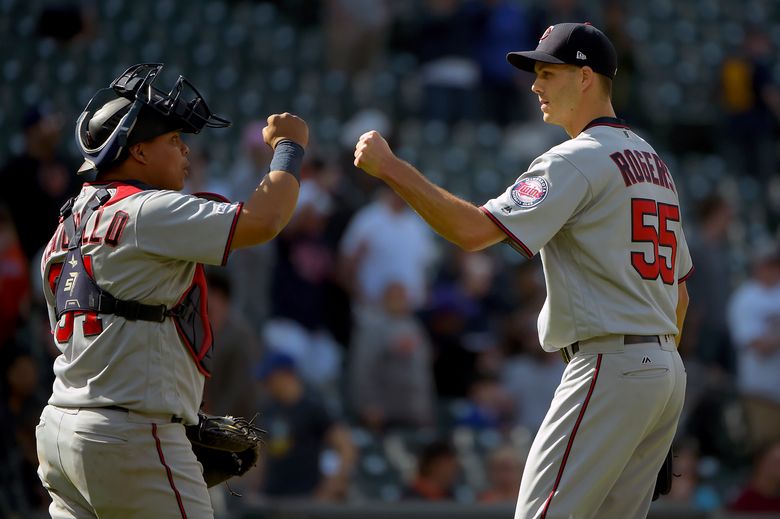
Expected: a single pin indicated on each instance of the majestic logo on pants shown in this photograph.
(529, 192)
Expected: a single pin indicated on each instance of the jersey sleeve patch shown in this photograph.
(529, 192)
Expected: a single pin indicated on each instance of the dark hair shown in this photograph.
(433, 452)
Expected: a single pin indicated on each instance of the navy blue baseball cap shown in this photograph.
(273, 362)
(578, 44)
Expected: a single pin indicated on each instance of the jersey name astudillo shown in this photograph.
(142, 245)
(602, 209)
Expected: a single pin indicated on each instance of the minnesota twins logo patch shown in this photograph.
(530, 192)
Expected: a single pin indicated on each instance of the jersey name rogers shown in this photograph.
(642, 166)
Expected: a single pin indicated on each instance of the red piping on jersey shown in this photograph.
(168, 471)
(686, 276)
(571, 438)
(525, 250)
(232, 231)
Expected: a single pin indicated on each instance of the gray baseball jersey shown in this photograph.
(603, 211)
(144, 245)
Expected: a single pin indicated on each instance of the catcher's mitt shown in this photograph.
(663, 483)
(226, 446)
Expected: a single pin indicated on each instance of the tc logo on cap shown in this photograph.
(547, 32)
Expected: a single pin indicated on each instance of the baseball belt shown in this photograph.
(174, 418)
(570, 351)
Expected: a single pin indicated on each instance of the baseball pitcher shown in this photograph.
(602, 211)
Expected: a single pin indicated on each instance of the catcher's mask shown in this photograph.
(131, 110)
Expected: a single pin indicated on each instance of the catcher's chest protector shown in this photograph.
(77, 291)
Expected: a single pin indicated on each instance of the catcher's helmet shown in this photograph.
(131, 110)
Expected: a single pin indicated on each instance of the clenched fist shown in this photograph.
(285, 126)
(373, 154)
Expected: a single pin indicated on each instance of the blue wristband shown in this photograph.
(288, 156)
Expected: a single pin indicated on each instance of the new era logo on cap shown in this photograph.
(578, 44)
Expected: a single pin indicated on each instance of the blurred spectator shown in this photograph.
(448, 72)
(501, 26)
(250, 268)
(545, 14)
(488, 406)
(235, 352)
(253, 159)
(316, 354)
(201, 177)
(328, 180)
(626, 94)
(504, 471)
(687, 487)
(529, 374)
(14, 279)
(300, 290)
(754, 320)
(301, 13)
(762, 493)
(20, 409)
(384, 242)
(66, 20)
(751, 102)
(299, 430)
(437, 472)
(390, 365)
(706, 329)
(305, 262)
(355, 34)
(455, 365)
(467, 280)
(38, 175)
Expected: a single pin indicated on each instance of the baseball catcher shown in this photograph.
(126, 291)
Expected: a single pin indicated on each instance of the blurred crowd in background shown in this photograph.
(384, 363)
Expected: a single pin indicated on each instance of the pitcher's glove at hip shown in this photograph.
(663, 483)
(226, 446)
